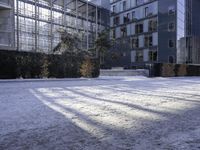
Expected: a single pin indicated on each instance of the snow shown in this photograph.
(107, 113)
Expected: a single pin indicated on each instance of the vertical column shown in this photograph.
(17, 1)
(36, 21)
(87, 12)
(38, 28)
(96, 29)
(76, 14)
(96, 25)
(64, 17)
(51, 32)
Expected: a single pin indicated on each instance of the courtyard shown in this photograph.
(107, 113)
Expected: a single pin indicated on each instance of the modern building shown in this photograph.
(33, 25)
(188, 50)
(150, 31)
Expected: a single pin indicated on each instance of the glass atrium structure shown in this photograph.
(37, 22)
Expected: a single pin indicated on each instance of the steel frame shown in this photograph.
(73, 15)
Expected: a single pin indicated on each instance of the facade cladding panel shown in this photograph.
(154, 31)
(37, 22)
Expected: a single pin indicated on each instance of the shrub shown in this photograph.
(87, 68)
(8, 66)
(15, 64)
(168, 70)
(45, 68)
(181, 70)
(171, 70)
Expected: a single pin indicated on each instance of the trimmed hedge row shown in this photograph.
(175, 70)
(36, 65)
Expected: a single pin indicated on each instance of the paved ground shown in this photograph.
(119, 113)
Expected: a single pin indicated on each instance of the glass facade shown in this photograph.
(181, 22)
(182, 31)
(37, 23)
(6, 24)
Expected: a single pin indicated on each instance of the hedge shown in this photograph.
(15, 64)
(174, 70)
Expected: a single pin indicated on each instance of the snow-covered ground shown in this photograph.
(108, 113)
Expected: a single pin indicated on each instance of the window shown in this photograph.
(116, 20)
(152, 25)
(127, 18)
(124, 5)
(123, 54)
(139, 56)
(139, 28)
(123, 31)
(114, 8)
(113, 33)
(133, 15)
(171, 59)
(171, 43)
(139, 2)
(148, 41)
(146, 11)
(171, 26)
(153, 55)
(171, 10)
(135, 42)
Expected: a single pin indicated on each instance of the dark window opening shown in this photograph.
(171, 26)
(152, 25)
(124, 31)
(139, 28)
(148, 41)
(171, 10)
(171, 59)
(127, 18)
(124, 5)
(171, 44)
(135, 43)
(116, 20)
(153, 55)
(139, 56)
(146, 11)
(114, 33)
(133, 16)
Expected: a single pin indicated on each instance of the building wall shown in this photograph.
(188, 45)
(190, 50)
(167, 14)
(126, 17)
(7, 25)
(195, 17)
(177, 21)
